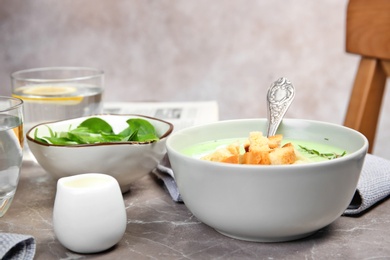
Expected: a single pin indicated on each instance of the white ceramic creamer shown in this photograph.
(89, 214)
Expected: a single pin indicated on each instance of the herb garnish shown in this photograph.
(328, 156)
(96, 130)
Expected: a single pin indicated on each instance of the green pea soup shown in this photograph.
(306, 151)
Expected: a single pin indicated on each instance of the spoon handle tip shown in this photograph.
(279, 97)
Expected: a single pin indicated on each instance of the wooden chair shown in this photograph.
(368, 35)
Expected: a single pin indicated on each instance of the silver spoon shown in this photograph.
(279, 97)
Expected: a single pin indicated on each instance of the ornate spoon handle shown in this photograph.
(279, 97)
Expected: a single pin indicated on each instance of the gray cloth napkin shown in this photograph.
(373, 185)
(17, 246)
(165, 173)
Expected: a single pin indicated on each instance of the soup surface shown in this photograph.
(306, 151)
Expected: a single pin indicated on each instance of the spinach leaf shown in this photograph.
(96, 125)
(145, 130)
(96, 130)
(39, 139)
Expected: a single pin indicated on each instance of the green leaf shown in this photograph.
(96, 125)
(52, 134)
(96, 130)
(128, 134)
(39, 139)
(60, 141)
(145, 130)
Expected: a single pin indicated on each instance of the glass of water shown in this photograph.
(57, 93)
(11, 149)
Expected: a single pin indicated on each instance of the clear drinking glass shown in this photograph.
(57, 93)
(11, 149)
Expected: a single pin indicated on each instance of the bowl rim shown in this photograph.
(163, 136)
(363, 149)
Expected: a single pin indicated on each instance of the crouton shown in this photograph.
(257, 157)
(283, 155)
(257, 141)
(230, 154)
(258, 149)
(274, 141)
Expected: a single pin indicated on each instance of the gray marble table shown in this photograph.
(158, 228)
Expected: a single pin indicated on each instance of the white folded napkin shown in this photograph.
(373, 185)
(17, 246)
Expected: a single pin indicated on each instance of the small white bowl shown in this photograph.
(267, 203)
(125, 161)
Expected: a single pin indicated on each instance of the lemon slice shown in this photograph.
(49, 91)
(52, 94)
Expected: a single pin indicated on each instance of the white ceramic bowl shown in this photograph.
(124, 161)
(267, 203)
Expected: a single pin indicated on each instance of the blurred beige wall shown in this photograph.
(229, 51)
